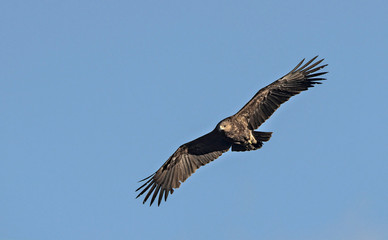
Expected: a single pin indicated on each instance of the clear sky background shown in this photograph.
(96, 95)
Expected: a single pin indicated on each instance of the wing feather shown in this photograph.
(182, 164)
(268, 99)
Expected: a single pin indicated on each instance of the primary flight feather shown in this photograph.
(236, 132)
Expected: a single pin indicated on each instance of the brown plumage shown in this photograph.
(236, 132)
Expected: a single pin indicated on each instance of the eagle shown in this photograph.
(236, 132)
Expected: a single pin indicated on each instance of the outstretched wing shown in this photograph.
(184, 162)
(268, 99)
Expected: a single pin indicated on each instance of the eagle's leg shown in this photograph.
(254, 142)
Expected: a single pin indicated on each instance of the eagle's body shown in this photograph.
(240, 136)
(235, 132)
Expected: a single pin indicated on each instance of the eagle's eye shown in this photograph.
(223, 126)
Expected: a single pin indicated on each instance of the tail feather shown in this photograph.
(262, 136)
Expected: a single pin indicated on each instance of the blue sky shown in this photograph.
(96, 95)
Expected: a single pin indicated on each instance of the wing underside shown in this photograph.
(181, 165)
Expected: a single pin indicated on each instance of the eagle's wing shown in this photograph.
(268, 99)
(184, 162)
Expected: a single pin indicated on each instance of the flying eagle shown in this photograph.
(236, 132)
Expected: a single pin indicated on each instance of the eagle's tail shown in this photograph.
(260, 138)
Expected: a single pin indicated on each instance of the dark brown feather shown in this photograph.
(268, 99)
(184, 162)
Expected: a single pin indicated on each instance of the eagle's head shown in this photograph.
(225, 125)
